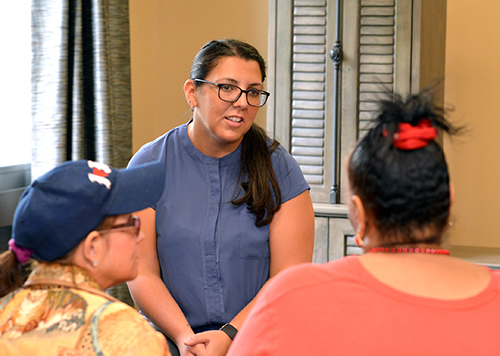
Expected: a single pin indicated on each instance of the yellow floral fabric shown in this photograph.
(62, 311)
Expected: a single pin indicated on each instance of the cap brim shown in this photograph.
(137, 188)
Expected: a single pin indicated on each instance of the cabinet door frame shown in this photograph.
(413, 36)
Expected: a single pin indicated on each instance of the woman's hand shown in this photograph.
(195, 350)
(216, 342)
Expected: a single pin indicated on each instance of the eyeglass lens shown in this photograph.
(232, 93)
(133, 222)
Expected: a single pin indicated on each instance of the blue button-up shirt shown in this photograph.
(213, 258)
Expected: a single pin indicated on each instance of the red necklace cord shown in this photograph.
(434, 251)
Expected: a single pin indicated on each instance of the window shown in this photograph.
(15, 84)
(15, 109)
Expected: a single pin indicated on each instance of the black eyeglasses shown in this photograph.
(231, 93)
(133, 222)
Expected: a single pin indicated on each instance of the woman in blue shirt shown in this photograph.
(235, 210)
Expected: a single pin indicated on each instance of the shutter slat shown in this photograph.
(310, 179)
(309, 67)
(307, 151)
(308, 104)
(371, 96)
(376, 78)
(365, 124)
(309, 77)
(303, 48)
(309, 30)
(376, 49)
(375, 88)
(309, 20)
(376, 59)
(307, 132)
(366, 115)
(308, 169)
(308, 95)
(308, 114)
(377, 11)
(309, 11)
(375, 68)
(317, 39)
(367, 106)
(377, 40)
(309, 123)
(375, 20)
(377, 30)
(308, 58)
(308, 141)
(317, 86)
(309, 160)
(376, 3)
(310, 3)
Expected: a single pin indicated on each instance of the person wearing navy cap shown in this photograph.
(78, 223)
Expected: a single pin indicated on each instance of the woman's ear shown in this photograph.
(452, 194)
(92, 248)
(359, 216)
(190, 93)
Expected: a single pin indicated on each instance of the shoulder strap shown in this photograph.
(92, 325)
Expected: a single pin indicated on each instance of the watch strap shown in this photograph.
(229, 330)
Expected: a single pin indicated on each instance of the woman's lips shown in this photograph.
(234, 119)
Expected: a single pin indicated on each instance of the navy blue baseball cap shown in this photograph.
(60, 208)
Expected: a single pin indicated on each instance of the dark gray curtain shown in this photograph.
(81, 105)
(80, 84)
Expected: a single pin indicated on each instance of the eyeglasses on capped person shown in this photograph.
(231, 93)
(133, 222)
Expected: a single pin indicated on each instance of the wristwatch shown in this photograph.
(229, 330)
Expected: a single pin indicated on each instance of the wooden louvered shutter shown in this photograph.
(386, 46)
(305, 117)
(308, 88)
(376, 53)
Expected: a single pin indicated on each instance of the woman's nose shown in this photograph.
(242, 100)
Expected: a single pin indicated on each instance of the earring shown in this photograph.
(359, 240)
(94, 263)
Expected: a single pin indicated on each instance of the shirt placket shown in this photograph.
(211, 275)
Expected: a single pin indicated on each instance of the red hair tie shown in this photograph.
(411, 137)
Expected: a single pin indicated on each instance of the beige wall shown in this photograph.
(472, 85)
(165, 37)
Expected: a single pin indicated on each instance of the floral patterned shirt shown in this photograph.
(61, 310)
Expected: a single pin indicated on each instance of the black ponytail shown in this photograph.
(407, 192)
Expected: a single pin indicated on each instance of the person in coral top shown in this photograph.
(405, 295)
